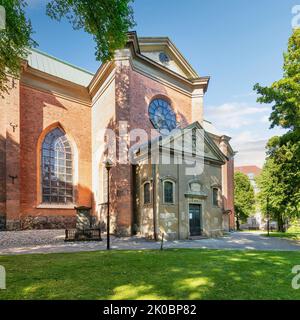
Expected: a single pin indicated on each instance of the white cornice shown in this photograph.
(167, 77)
(165, 41)
(58, 87)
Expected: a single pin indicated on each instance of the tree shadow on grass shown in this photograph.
(170, 274)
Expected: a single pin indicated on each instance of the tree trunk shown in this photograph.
(280, 224)
(237, 223)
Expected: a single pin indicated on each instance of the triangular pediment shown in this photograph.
(181, 140)
(163, 51)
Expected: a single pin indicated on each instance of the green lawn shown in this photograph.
(292, 233)
(170, 274)
(288, 235)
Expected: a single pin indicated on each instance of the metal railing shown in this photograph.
(93, 234)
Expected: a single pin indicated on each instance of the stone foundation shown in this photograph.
(213, 234)
(53, 222)
(123, 232)
(12, 225)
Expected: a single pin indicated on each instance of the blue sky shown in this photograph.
(236, 42)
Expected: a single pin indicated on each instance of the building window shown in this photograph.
(168, 191)
(162, 116)
(215, 196)
(147, 196)
(57, 168)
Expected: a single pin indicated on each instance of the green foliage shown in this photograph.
(14, 40)
(107, 21)
(280, 179)
(244, 199)
(293, 232)
(279, 182)
(285, 93)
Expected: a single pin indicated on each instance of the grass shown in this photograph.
(288, 235)
(292, 233)
(169, 274)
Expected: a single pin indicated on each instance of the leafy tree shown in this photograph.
(284, 94)
(106, 20)
(244, 198)
(275, 184)
(14, 40)
(280, 180)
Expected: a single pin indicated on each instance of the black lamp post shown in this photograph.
(229, 213)
(268, 217)
(108, 166)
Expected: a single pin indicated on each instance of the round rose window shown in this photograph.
(162, 116)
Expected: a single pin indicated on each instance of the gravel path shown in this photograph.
(12, 239)
(50, 241)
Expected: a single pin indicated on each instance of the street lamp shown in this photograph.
(268, 216)
(108, 165)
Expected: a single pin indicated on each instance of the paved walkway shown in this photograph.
(50, 241)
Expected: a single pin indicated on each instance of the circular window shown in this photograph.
(164, 58)
(162, 116)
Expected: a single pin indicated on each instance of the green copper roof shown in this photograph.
(58, 68)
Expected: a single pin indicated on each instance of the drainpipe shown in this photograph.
(178, 193)
(154, 201)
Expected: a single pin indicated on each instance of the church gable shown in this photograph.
(174, 142)
(164, 52)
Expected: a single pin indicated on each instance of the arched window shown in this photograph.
(169, 191)
(57, 168)
(147, 197)
(215, 196)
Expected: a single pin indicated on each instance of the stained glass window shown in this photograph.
(57, 168)
(162, 116)
(168, 192)
(147, 193)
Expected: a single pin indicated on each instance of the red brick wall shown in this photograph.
(39, 111)
(10, 155)
(134, 92)
(2, 162)
(143, 90)
(230, 190)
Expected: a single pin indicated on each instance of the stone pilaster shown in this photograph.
(12, 155)
(228, 179)
(121, 175)
(197, 105)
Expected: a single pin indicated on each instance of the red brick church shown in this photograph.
(53, 136)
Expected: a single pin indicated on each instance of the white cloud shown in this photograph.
(244, 95)
(265, 119)
(234, 115)
(243, 137)
(247, 124)
(250, 153)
